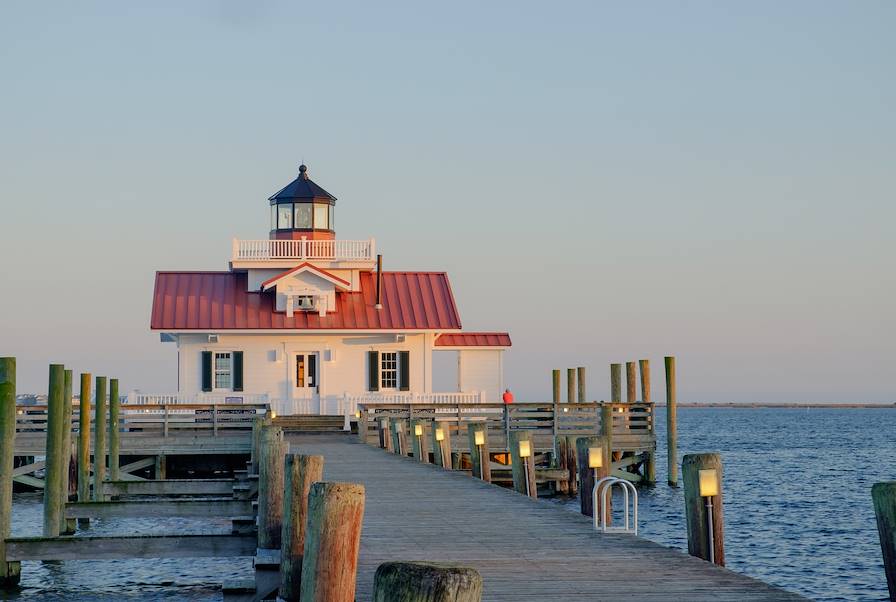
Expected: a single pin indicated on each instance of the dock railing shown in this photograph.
(332, 250)
(632, 422)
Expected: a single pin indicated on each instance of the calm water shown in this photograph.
(797, 512)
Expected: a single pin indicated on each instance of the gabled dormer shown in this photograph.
(305, 288)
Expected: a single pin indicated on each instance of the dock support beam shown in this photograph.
(589, 476)
(9, 571)
(426, 582)
(580, 373)
(884, 497)
(66, 526)
(99, 439)
(53, 504)
(570, 385)
(480, 454)
(616, 383)
(704, 514)
(650, 468)
(301, 472)
(272, 452)
(114, 437)
(523, 469)
(671, 422)
(332, 542)
(441, 449)
(84, 443)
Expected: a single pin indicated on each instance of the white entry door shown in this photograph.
(305, 382)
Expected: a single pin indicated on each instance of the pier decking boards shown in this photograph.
(525, 549)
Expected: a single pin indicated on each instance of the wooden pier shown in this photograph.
(525, 549)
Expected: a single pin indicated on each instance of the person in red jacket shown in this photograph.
(508, 396)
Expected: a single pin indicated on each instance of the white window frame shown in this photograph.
(216, 371)
(393, 371)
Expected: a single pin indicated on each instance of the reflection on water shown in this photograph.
(798, 512)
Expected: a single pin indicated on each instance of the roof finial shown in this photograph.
(303, 171)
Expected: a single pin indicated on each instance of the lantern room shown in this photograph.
(302, 209)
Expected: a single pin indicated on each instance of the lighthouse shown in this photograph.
(302, 210)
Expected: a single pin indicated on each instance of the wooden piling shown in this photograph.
(66, 525)
(160, 469)
(114, 431)
(441, 450)
(570, 385)
(426, 582)
(631, 383)
(399, 438)
(99, 439)
(695, 508)
(300, 472)
(257, 423)
(555, 382)
(523, 469)
(418, 443)
(883, 495)
(9, 571)
(54, 505)
(271, 454)
(385, 433)
(616, 383)
(84, 442)
(332, 542)
(572, 464)
(671, 422)
(650, 467)
(581, 384)
(586, 473)
(480, 454)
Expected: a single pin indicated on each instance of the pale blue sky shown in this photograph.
(607, 182)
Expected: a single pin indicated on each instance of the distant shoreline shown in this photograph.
(739, 406)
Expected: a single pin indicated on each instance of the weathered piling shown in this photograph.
(631, 383)
(66, 525)
(671, 422)
(426, 582)
(300, 472)
(702, 475)
(883, 495)
(332, 542)
(587, 472)
(616, 383)
(399, 438)
(572, 464)
(580, 393)
(160, 467)
(385, 434)
(522, 463)
(9, 571)
(114, 430)
(650, 468)
(418, 441)
(555, 385)
(477, 432)
(84, 442)
(570, 385)
(99, 439)
(272, 451)
(53, 503)
(258, 422)
(441, 444)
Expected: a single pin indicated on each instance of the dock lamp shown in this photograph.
(440, 434)
(479, 440)
(525, 452)
(595, 459)
(273, 414)
(709, 487)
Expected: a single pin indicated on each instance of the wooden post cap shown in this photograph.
(426, 582)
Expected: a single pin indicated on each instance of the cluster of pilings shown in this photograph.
(309, 535)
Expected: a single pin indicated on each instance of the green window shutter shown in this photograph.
(373, 371)
(237, 370)
(206, 371)
(404, 370)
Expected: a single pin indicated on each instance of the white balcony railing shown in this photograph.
(136, 397)
(332, 250)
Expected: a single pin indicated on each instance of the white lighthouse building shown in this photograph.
(312, 324)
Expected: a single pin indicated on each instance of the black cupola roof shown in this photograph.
(301, 188)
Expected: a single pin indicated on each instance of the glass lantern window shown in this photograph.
(321, 214)
(273, 217)
(284, 217)
(303, 215)
(332, 221)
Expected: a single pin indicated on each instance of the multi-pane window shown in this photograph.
(388, 370)
(284, 219)
(303, 215)
(223, 370)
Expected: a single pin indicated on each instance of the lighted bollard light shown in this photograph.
(440, 434)
(525, 452)
(273, 414)
(358, 414)
(595, 459)
(418, 430)
(709, 487)
(479, 440)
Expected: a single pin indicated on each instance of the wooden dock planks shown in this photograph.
(525, 549)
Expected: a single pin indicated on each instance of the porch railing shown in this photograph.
(333, 250)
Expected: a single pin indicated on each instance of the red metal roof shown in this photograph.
(219, 301)
(311, 268)
(473, 339)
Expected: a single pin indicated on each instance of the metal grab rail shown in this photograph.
(603, 488)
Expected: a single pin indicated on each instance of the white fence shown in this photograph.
(336, 250)
(138, 398)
